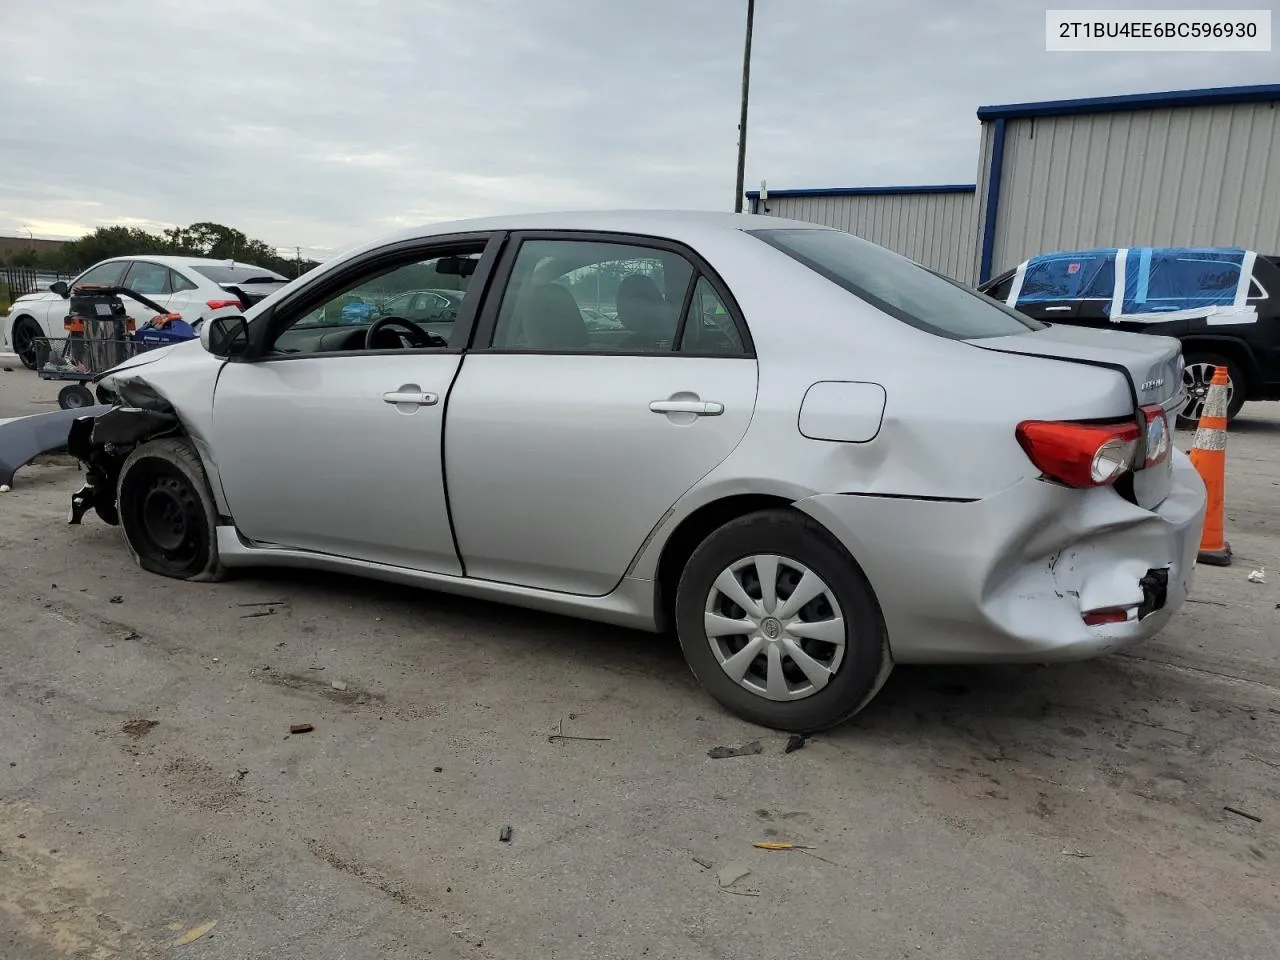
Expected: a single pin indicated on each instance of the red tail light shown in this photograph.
(219, 304)
(1080, 454)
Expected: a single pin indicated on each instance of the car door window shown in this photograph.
(556, 285)
(104, 274)
(180, 283)
(709, 327)
(340, 320)
(148, 279)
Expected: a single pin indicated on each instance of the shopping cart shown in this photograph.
(100, 334)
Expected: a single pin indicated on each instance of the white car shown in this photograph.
(195, 287)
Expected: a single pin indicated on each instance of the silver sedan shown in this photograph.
(810, 457)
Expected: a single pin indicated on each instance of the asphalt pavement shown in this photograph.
(150, 785)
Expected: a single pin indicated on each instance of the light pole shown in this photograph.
(742, 120)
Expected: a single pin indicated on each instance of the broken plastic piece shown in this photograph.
(301, 728)
(195, 933)
(797, 741)
(505, 834)
(731, 873)
(722, 753)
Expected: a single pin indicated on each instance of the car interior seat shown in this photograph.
(552, 320)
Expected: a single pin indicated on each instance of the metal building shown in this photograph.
(1190, 167)
(1179, 168)
(934, 225)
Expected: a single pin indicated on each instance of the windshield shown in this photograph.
(898, 286)
(240, 273)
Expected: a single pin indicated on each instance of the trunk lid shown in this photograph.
(1152, 365)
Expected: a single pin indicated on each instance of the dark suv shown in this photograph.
(1195, 294)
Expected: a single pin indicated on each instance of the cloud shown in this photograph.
(324, 124)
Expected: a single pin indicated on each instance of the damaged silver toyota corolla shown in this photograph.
(808, 456)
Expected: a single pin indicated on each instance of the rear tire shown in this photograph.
(1198, 371)
(838, 633)
(167, 512)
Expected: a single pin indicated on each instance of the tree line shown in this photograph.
(203, 239)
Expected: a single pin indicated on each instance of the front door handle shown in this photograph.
(1055, 309)
(700, 408)
(418, 398)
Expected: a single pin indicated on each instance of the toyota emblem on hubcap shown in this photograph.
(772, 628)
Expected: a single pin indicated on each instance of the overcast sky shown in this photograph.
(324, 123)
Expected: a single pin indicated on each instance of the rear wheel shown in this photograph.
(779, 624)
(1196, 377)
(167, 513)
(25, 333)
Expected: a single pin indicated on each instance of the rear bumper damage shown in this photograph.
(1011, 578)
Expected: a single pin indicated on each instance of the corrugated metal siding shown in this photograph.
(936, 229)
(1192, 176)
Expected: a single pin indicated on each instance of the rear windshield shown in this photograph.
(240, 273)
(898, 286)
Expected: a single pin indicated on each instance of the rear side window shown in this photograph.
(240, 273)
(901, 288)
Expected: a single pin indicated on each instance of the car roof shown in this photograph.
(173, 261)
(669, 224)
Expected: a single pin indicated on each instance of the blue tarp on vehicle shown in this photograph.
(1146, 284)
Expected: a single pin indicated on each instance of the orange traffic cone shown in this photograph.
(1209, 457)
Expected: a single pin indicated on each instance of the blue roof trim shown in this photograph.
(867, 191)
(1208, 97)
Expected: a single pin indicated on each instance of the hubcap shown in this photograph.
(164, 514)
(775, 627)
(24, 342)
(1197, 377)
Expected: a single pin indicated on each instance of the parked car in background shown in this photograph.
(809, 456)
(1222, 303)
(194, 287)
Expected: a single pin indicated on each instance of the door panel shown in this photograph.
(312, 455)
(558, 468)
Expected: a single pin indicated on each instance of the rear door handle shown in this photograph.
(1055, 309)
(415, 397)
(701, 408)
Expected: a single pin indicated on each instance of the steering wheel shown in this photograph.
(416, 336)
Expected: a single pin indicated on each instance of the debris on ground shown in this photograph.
(1068, 852)
(195, 933)
(301, 728)
(1258, 576)
(704, 864)
(723, 753)
(242, 772)
(261, 603)
(4, 488)
(773, 845)
(504, 835)
(731, 874)
(257, 613)
(139, 728)
(796, 742)
(116, 599)
(561, 735)
(1242, 813)
(338, 685)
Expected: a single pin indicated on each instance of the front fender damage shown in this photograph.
(101, 443)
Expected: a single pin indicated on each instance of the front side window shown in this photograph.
(897, 286)
(571, 296)
(104, 274)
(417, 304)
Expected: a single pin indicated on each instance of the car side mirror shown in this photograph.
(226, 336)
(60, 288)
